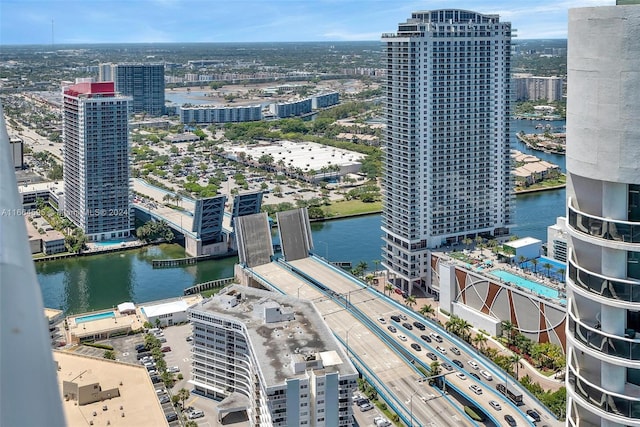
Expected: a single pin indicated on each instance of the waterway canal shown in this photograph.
(102, 281)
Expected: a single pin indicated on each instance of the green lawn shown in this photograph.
(351, 207)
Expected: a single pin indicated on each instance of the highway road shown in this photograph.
(400, 378)
(375, 305)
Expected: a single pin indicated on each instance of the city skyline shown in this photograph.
(178, 21)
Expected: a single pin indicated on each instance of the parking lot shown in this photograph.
(179, 358)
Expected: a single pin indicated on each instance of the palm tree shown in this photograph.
(515, 359)
(561, 272)
(388, 287)
(467, 242)
(547, 266)
(183, 394)
(451, 325)
(410, 300)
(464, 328)
(376, 262)
(535, 262)
(521, 260)
(427, 310)
(508, 328)
(479, 340)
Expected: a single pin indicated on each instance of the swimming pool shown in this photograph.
(97, 316)
(527, 284)
(553, 272)
(110, 242)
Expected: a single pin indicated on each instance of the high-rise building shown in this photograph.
(144, 83)
(446, 161)
(96, 160)
(271, 356)
(603, 206)
(105, 72)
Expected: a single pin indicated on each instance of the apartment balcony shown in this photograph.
(609, 289)
(624, 232)
(624, 409)
(599, 344)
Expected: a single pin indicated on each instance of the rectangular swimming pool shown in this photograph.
(527, 284)
(97, 316)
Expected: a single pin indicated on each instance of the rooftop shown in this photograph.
(282, 342)
(137, 405)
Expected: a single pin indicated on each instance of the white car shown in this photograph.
(402, 337)
(495, 405)
(173, 369)
(474, 388)
(441, 350)
(381, 422)
(474, 364)
(487, 376)
(381, 320)
(196, 414)
(461, 376)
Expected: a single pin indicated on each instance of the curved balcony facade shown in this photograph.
(613, 290)
(603, 216)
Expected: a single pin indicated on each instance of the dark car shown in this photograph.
(392, 329)
(425, 338)
(419, 325)
(446, 366)
(172, 416)
(407, 326)
(510, 420)
(457, 362)
(395, 318)
(432, 356)
(143, 355)
(416, 347)
(533, 414)
(140, 347)
(476, 376)
(156, 379)
(361, 401)
(165, 349)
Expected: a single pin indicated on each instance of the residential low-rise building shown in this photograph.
(276, 352)
(204, 114)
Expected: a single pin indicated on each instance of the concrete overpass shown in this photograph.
(352, 310)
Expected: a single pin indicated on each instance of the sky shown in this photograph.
(186, 21)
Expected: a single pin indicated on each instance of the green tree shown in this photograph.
(547, 266)
(109, 354)
(427, 310)
(388, 287)
(410, 300)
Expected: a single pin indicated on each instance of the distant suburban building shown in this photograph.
(274, 356)
(291, 109)
(447, 165)
(96, 160)
(144, 83)
(166, 313)
(42, 237)
(17, 151)
(536, 88)
(204, 114)
(105, 72)
(325, 100)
